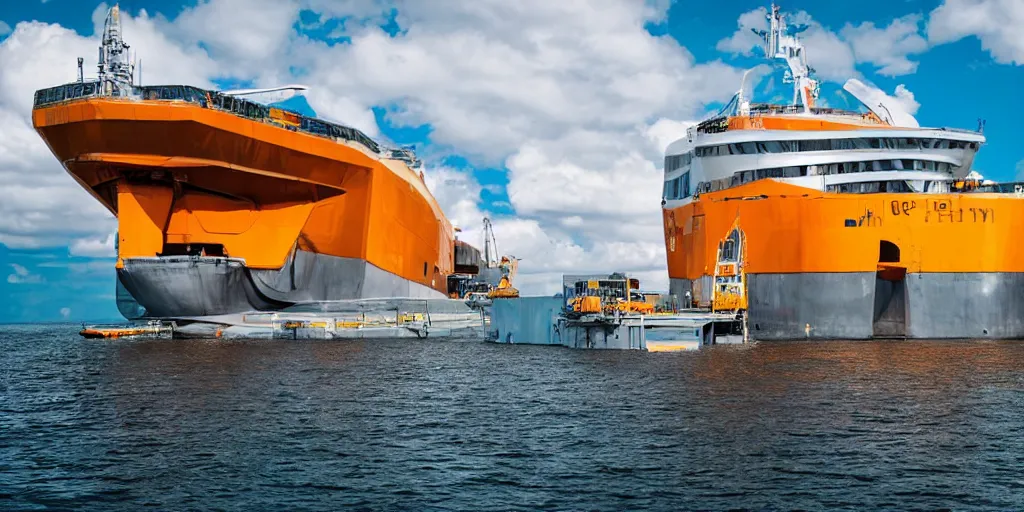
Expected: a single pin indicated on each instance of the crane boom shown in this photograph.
(490, 245)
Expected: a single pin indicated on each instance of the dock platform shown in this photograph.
(545, 321)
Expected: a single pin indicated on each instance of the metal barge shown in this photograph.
(608, 312)
(348, 319)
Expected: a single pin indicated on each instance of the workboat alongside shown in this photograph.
(227, 205)
(823, 223)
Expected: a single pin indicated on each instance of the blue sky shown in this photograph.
(496, 148)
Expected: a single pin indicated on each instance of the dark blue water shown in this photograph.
(417, 425)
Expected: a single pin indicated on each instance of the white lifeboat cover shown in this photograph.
(884, 106)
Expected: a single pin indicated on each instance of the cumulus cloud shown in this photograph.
(488, 75)
(744, 40)
(458, 193)
(995, 22)
(905, 99)
(665, 131)
(246, 36)
(889, 47)
(4, 28)
(93, 247)
(21, 275)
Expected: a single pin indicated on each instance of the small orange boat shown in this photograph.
(152, 329)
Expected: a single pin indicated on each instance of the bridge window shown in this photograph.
(677, 188)
(673, 162)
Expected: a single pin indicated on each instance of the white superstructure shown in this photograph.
(881, 150)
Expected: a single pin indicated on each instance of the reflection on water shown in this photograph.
(434, 425)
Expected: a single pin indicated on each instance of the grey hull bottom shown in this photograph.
(860, 305)
(181, 286)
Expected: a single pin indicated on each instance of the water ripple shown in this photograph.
(389, 424)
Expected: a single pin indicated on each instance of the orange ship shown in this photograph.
(830, 224)
(226, 205)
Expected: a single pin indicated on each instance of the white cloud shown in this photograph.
(887, 48)
(21, 275)
(744, 40)
(94, 247)
(4, 28)
(666, 131)
(246, 36)
(995, 22)
(493, 188)
(544, 179)
(458, 194)
(830, 56)
(904, 98)
(331, 106)
(488, 75)
(65, 313)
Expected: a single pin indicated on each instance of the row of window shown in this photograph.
(870, 187)
(793, 146)
(883, 165)
(233, 104)
(673, 187)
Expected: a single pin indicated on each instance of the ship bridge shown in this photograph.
(852, 139)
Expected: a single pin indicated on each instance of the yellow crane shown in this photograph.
(508, 265)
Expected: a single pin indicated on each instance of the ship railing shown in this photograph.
(720, 123)
(226, 102)
(716, 124)
(67, 92)
(1010, 187)
(406, 154)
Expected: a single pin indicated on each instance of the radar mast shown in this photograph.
(116, 72)
(779, 44)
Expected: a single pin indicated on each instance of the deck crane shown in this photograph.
(490, 245)
(507, 265)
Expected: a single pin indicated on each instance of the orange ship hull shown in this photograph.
(219, 213)
(857, 266)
